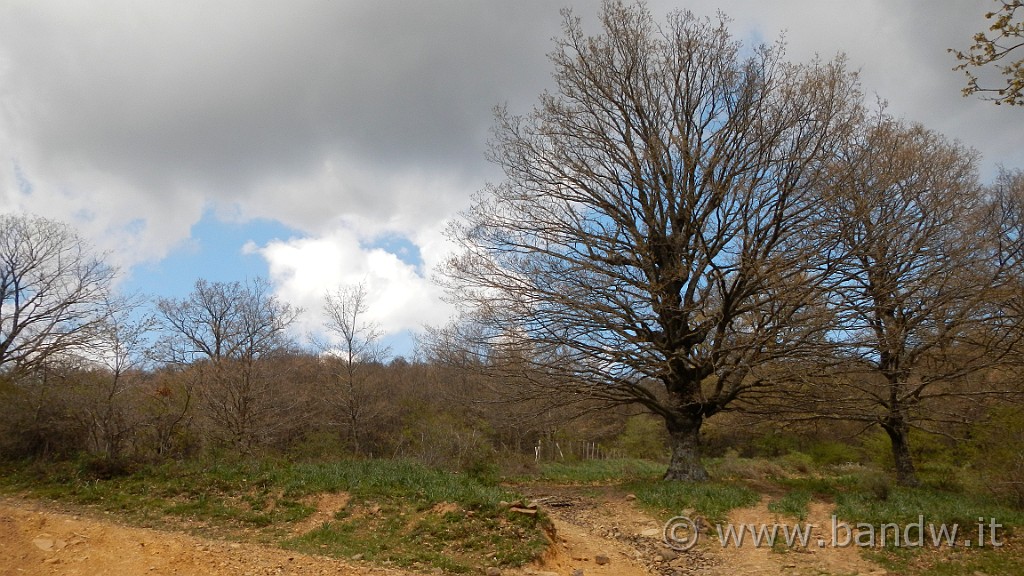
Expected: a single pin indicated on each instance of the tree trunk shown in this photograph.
(899, 434)
(684, 436)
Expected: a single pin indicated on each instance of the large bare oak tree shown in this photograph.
(647, 242)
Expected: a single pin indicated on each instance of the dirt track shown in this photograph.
(37, 540)
(603, 535)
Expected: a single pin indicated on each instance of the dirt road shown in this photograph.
(600, 535)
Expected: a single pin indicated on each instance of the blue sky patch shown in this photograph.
(214, 252)
(400, 246)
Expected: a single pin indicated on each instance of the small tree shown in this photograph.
(118, 353)
(352, 351)
(650, 227)
(223, 332)
(1006, 36)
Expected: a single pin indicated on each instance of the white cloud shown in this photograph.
(304, 269)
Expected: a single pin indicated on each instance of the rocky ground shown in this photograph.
(598, 532)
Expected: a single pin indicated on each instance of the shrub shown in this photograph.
(927, 449)
(996, 453)
(798, 462)
(444, 440)
(773, 445)
(876, 483)
(645, 437)
(833, 453)
(734, 467)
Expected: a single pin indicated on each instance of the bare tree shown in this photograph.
(912, 285)
(1006, 34)
(119, 351)
(53, 291)
(352, 350)
(226, 320)
(650, 226)
(1005, 199)
(224, 331)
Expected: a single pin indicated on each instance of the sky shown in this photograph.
(321, 143)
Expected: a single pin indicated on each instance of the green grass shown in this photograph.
(869, 498)
(399, 512)
(712, 499)
(793, 504)
(914, 561)
(457, 541)
(906, 505)
(599, 471)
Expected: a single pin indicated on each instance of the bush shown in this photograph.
(317, 445)
(444, 440)
(735, 467)
(798, 462)
(773, 445)
(833, 453)
(106, 468)
(927, 449)
(876, 483)
(995, 452)
(645, 437)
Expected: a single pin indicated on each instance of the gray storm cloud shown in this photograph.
(134, 118)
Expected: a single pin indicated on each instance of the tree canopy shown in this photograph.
(1004, 37)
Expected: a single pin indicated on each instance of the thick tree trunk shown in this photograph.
(684, 437)
(899, 434)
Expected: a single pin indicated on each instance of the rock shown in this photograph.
(577, 572)
(44, 544)
(602, 559)
(521, 510)
(651, 532)
(492, 571)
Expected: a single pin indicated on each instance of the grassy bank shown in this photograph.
(396, 512)
(404, 514)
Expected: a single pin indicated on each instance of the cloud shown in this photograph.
(401, 295)
(900, 50)
(348, 121)
(131, 119)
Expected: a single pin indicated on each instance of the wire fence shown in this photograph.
(551, 450)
